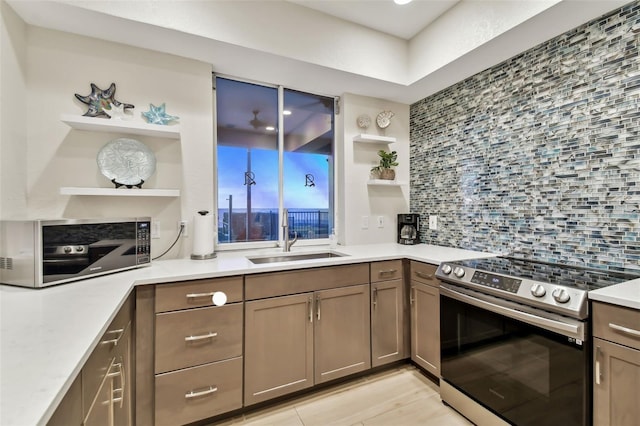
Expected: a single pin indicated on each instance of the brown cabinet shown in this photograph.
(102, 393)
(616, 365)
(388, 306)
(188, 351)
(425, 317)
(69, 411)
(342, 344)
(198, 392)
(278, 346)
(286, 335)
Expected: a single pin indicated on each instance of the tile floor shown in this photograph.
(396, 397)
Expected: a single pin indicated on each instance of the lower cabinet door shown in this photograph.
(278, 347)
(387, 322)
(121, 382)
(69, 412)
(101, 412)
(197, 393)
(616, 387)
(425, 327)
(342, 332)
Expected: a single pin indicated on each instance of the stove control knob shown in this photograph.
(561, 295)
(446, 269)
(67, 249)
(458, 272)
(538, 290)
(79, 249)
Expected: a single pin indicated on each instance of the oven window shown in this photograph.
(526, 374)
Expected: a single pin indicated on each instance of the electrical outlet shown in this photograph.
(155, 229)
(433, 222)
(380, 221)
(364, 224)
(184, 223)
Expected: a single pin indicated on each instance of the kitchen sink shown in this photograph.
(294, 257)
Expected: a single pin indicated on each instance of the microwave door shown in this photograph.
(109, 255)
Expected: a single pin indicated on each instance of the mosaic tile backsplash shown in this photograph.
(539, 156)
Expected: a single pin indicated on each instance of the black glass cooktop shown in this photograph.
(567, 275)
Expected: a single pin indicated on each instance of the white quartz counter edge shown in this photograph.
(625, 294)
(47, 335)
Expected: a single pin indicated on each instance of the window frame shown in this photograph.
(244, 245)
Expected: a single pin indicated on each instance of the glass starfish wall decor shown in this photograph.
(100, 100)
(157, 115)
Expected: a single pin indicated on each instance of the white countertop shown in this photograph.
(47, 335)
(624, 294)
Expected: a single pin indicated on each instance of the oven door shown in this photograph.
(527, 368)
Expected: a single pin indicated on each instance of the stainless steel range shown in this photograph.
(515, 346)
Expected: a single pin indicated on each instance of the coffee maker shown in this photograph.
(408, 228)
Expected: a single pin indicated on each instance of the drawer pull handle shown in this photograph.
(120, 390)
(205, 392)
(375, 297)
(115, 341)
(388, 272)
(626, 330)
(197, 295)
(423, 275)
(598, 372)
(209, 335)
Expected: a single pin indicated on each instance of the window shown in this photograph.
(262, 170)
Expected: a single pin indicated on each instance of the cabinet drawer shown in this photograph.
(261, 286)
(198, 393)
(424, 273)
(109, 347)
(617, 324)
(386, 270)
(196, 294)
(197, 336)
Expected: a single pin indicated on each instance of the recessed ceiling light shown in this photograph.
(401, 1)
(286, 112)
(270, 128)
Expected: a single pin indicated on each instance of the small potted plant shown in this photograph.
(387, 160)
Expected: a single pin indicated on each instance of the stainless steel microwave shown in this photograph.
(41, 253)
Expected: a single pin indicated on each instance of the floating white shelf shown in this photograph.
(385, 182)
(94, 124)
(120, 192)
(366, 138)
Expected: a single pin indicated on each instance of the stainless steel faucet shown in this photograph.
(285, 230)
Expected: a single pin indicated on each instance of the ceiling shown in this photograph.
(403, 21)
(366, 47)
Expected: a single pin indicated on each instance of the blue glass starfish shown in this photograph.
(157, 115)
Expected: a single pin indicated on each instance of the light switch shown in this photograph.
(155, 229)
(364, 223)
(433, 222)
(380, 221)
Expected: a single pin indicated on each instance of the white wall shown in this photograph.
(357, 199)
(46, 154)
(13, 109)
(60, 64)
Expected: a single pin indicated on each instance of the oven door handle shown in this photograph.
(575, 330)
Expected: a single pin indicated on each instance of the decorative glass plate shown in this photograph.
(126, 162)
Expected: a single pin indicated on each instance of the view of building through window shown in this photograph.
(252, 160)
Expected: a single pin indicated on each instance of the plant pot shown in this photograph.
(387, 174)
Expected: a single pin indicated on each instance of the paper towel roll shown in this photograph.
(203, 235)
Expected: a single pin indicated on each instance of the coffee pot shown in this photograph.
(408, 228)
